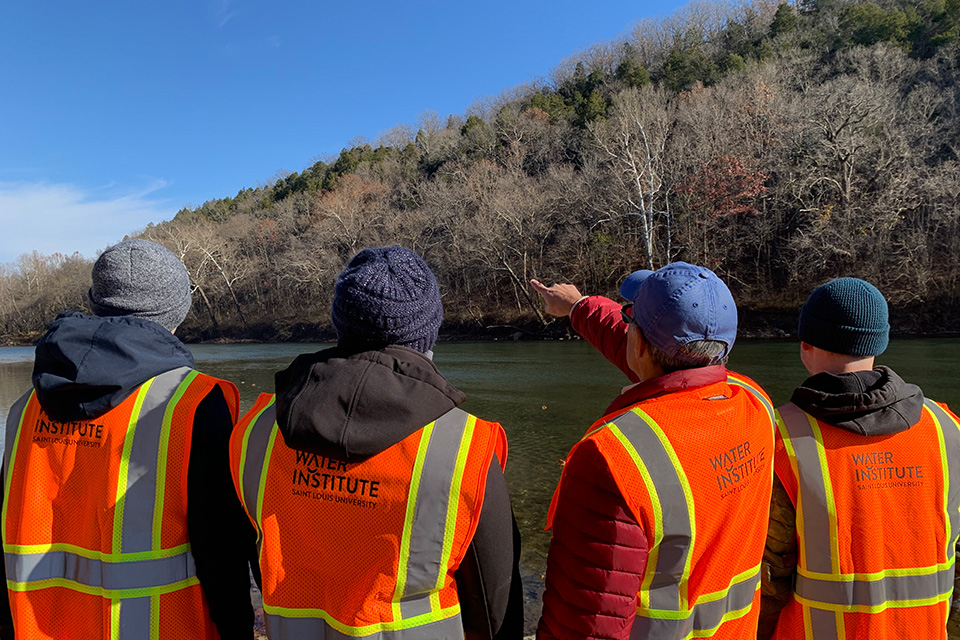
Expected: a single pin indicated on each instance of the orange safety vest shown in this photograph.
(877, 521)
(364, 549)
(694, 467)
(95, 517)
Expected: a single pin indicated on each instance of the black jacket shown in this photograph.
(85, 366)
(352, 404)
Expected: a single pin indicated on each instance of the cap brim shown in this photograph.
(631, 284)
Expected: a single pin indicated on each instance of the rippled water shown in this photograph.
(545, 394)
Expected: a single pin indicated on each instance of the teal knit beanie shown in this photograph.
(847, 316)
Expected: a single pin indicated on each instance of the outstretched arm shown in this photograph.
(596, 318)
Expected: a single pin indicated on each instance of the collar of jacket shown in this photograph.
(86, 365)
(871, 403)
(673, 381)
(353, 403)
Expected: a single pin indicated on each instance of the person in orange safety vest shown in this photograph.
(865, 511)
(659, 517)
(381, 506)
(119, 517)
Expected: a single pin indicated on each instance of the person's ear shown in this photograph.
(640, 344)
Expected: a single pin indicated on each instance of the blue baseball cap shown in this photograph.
(632, 282)
(680, 303)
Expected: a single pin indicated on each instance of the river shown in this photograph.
(544, 393)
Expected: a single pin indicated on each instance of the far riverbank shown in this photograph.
(921, 321)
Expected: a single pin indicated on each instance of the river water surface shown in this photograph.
(545, 394)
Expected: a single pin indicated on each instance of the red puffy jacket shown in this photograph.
(598, 551)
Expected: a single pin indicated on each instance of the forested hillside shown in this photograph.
(778, 145)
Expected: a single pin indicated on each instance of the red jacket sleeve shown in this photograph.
(597, 556)
(598, 321)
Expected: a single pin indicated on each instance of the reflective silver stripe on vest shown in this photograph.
(951, 444)
(875, 592)
(817, 533)
(134, 619)
(430, 512)
(823, 624)
(812, 506)
(812, 511)
(141, 494)
(318, 629)
(13, 424)
(100, 574)
(705, 616)
(256, 453)
(677, 531)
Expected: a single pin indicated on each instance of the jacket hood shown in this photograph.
(86, 365)
(356, 404)
(871, 403)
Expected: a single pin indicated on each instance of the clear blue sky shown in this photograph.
(113, 115)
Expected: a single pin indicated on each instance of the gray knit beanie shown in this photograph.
(143, 279)
(847, 316)
(385, 296)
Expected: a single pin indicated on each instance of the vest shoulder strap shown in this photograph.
(751, 387)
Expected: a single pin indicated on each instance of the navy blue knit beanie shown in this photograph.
(387, 295)
(847, 316)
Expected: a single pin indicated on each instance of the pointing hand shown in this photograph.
(559, 298)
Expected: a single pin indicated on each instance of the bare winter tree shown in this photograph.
(633, 146)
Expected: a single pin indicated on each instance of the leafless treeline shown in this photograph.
(787, 171)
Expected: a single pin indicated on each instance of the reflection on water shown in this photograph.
(545, 394)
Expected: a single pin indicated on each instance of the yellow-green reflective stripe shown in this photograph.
(869, 593)
(261, 426)
(826, 606)
(673, 556)
(96, 591)
(828, 493)
(263, 472)
(878, 575)
(948, 435)
(162, 453)
(817, 539)
(453, 507)
(706, 616)
(451, 613)
(96, 555)
(755, 391)
(154, 617)
(108, 576)
(403, 561)
(436, 504)
(792, 457)
(948, 517)
(114, 619)
(12, 441)
(124, 467)
(657, 513)
(141, 489)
